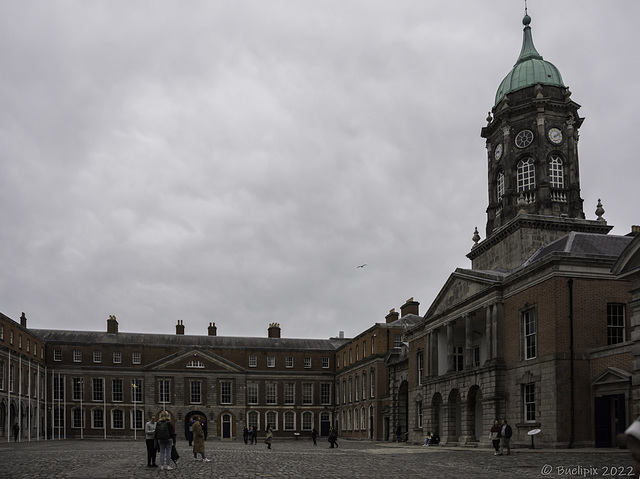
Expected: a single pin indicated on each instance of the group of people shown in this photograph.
(500, 435)
(161, 437)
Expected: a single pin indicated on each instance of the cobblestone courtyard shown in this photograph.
(299, 459)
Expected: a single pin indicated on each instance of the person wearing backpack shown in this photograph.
(165, 434)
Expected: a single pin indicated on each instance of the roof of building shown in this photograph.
(583, 244)
(184, 340)
(530, 68)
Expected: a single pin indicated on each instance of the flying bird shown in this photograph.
(361, 266)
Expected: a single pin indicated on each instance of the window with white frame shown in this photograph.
(136, 390)
(357, 352)
(344, 391)
(58, 385)
(529, 332)
(195, 390)
(77, 418)
(289, 393)
(357, 387)
(325, 362)
(271, 361)
(272, 393)
(615, 323)
(117, 357)
(526, 176)
(529, 396)
(136, 418)
(372, 346)
(307, 421)
(116, 390)
(272, 419)
(364, 349)
(97, 418)
(253, 361)
(97, 389)
(28, 345)
(77, 356)
(325, 393)
(397, 340)
(420, 368)
(253, 419)
(307, 362)
(117, 419)
(372, 383)
(289, 421)
(500, 185)
(225, 392)
(356, 419)
(195, 364)
(288, 362)
(307, 393)
(57, 354)
(556, 173)
(252, 393)
(136, 357)
(458, 358)
(350, 391)
(164, 391)
(364, 385)
(78, 387)
(97, 356)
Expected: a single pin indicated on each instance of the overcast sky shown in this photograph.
(234, 161)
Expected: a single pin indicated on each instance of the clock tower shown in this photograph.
(532, 161)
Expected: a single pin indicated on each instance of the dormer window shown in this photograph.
(195, 363)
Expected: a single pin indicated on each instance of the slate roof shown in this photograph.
(184, 340)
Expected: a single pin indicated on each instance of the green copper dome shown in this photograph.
(530, 69)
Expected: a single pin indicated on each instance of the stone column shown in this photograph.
(488, 333)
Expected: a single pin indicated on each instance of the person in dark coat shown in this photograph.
(505, 436)
(333, 438)
(198, 439)
(314, 436)
(16, 432)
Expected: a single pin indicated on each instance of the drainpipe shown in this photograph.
(571, 362)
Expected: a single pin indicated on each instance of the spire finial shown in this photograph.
(525, 7)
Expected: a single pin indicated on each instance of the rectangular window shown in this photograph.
(11, 337)
(164, 391)
(325, 362)
(350, 356)
(35, 349)
(136, 418)
(344, 391)
(28, 345)
(307, 393)
(372, 383)
(325, 393)
(289, 362)
(529, 329)
(136, 390)
(77, 356)
(476, 356)
(307, 421)
(196, 392)
(357, 352)
(97, 419)
(615, 323)
(20, 341)
(252, 393)
(289, 393)
(397, 341)
(529, 402)
(117, 357)
(350, 390)
(289, 421)
(117, 394)
(57, 354)
(272, 395)
(117, 419)
(253, 361)
(2, 366)
(97, 393)
(97, 356)
(458, 358)
(252, 419)
(1, 332)
(356, 385)
(307, 362)
(271, 361)
(225, 392)
(78, 386)
(136, 358)
(364, 386)
(372, 347)
(420, 367)
(58, 385)
(272, 418)
(364, 349)
(77, 418)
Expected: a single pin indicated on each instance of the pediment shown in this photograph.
(461, 286)
(195, 360)
(611, 376)
(629, 261)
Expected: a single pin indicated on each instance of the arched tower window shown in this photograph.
(526, 175)
(556, 178)
(500, 185)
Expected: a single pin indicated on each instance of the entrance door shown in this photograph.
(325, 424)
(226, 426)
(610, 419)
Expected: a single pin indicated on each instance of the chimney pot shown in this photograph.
(274, 330)
(23, 320)
(180, 327)
(392, 316)
(112, 325)
(213, 331)
(410, 307)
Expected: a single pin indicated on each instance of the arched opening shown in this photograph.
(188, 430)
(454, 420)
(437, 416)
(403, 410)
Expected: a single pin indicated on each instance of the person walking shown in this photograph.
(165, 435)
(505, 435)
(16, 432)
(149, 434)
(198, 439)
(333, 438)
(269, 437)
(494, 435)
(314, 436)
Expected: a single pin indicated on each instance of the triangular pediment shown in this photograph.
(611, 376)
(195, 360)
(462, 286)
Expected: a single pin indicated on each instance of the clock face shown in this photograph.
(555, 135)
(524, 138)
(497, 153)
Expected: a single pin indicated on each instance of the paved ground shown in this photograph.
(299, 459)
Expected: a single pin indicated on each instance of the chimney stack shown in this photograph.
(23, 320)
(274, 330)
(179, 327)
(112, 325)
(213, 331)
(410, 307)
(392, 316)
(635, 230)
